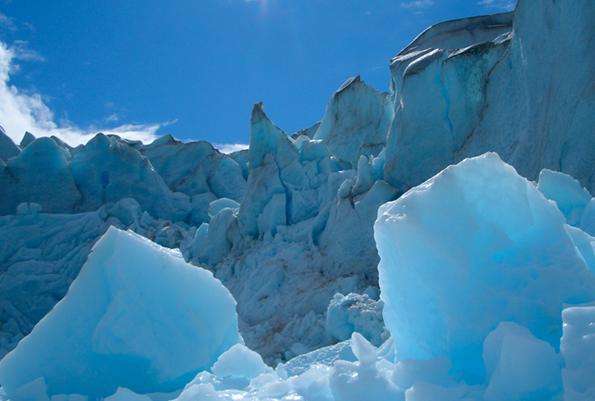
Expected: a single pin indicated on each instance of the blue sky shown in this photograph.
(194, 68)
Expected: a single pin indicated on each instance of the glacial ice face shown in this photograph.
(196, 167)
(40, 174)
(213, 241)
(356, 121)
(106, 170)
(241, 157)
(288, 179)
(7, 147)
(27, 139)
(137, 316)
(351, 249)
(271, 150)
(40, 255)
(65, 180)
(476, 89)
(438, 84)
(291, 246)
(458, 257)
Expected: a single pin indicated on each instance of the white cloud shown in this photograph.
(7, 22)
(504, 5)
(21, 111)
(230, 147)
(21, 51)
(112, 118)
(417, 5)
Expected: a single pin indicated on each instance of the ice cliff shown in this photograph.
(288, 225)
(498, 83)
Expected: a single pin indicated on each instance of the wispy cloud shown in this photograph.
(230, 147)
(112, 118)
(21, 51)
(417, 5)
(503, 5)
(21, 111)
(7, 22)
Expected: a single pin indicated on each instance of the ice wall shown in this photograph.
(470, 86)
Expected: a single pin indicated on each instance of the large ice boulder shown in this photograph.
(470, 248)
(578, 349)
(351, 313)
(239, 364)
(137, 316)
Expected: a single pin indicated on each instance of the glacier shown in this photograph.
(500, 264)
(478, 307)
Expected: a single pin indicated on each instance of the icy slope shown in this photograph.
(137, 316)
